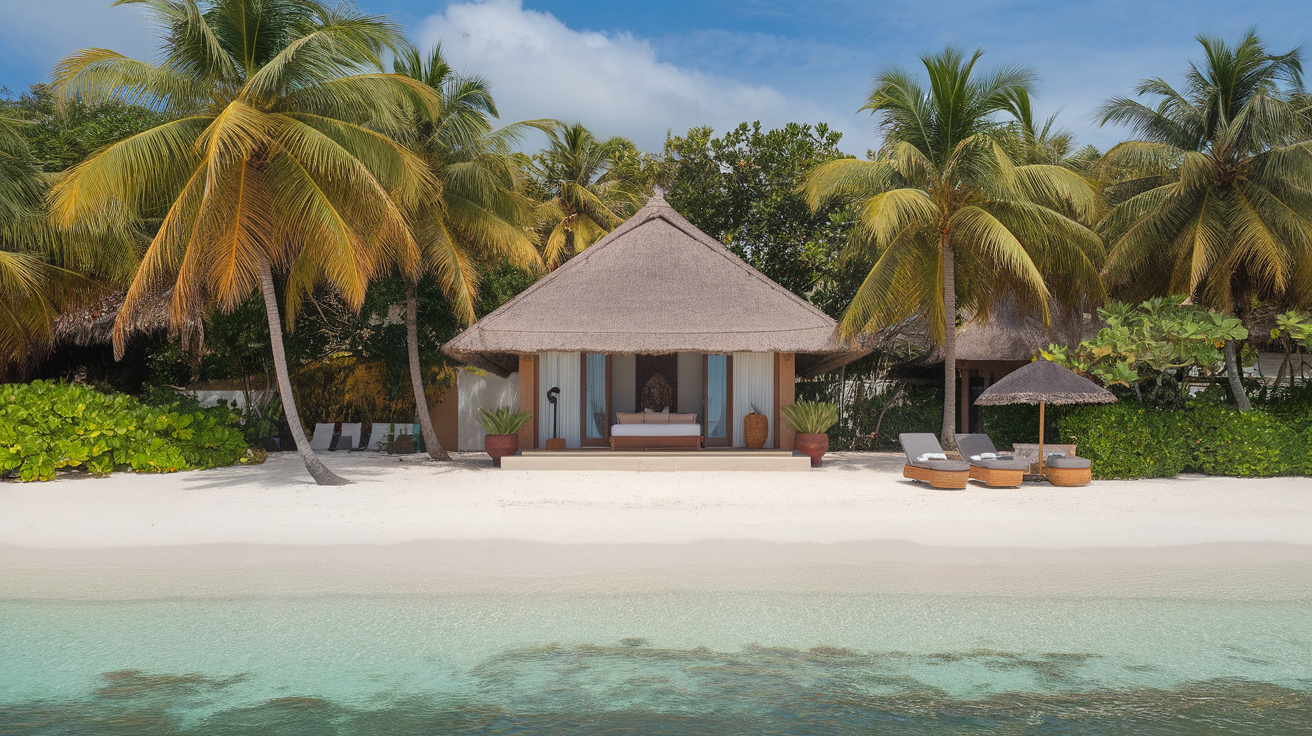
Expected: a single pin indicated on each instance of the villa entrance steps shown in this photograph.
(658, 460)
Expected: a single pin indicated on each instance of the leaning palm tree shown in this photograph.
(278, 160)
(471, 216)
(1217, 203)
(585, 195)
(947, 217)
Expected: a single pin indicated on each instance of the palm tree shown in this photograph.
(948, 219)
(1218, 201)
(471, 216)
(1032, 143)
(278, 159)
(585, 193)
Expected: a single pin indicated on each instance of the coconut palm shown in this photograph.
(1218, 202)
(946, 216)
(472, 215)
(278, 160)
(585, 194)
(1035, 143)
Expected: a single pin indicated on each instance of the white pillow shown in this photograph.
(932, 456)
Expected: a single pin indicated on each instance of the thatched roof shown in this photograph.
(1044, 381)
(656, 284)
(92, 323)
(1009, 335)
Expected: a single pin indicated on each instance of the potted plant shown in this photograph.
(502, 427)
(811, 419)
(756, 428)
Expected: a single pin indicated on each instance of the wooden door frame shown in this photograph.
(584, 439)
(727, 440)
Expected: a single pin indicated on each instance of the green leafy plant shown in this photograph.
(46, 427)
(504, 420)
(1128, 440)
(811, 417)
(1251, 444)
(1150, 345)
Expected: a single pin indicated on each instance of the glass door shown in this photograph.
(717, 375)
(596, 400)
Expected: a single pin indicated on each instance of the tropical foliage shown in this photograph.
(46, 427)
(277, 160)
(811, 417)
(948, 218)
(502, 420)
(1162, 340)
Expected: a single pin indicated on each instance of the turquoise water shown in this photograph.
(656, 663)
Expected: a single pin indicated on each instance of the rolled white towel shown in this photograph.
(932, 456)
(1055, 453)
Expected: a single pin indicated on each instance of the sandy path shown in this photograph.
(856, 497)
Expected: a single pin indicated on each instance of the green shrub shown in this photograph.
(811, 417)
(1128, 440)
(914, 410)
(45, 427)
(1007, 425)
(1252, 444)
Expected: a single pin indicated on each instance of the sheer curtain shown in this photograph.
(753, 385)
(560, 370)
(597, 420)
(717, 396)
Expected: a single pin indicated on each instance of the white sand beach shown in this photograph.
(854, 497)
(412, 525)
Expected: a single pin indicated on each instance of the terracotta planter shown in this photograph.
(813, 446)
(500, 445)
(756, 428)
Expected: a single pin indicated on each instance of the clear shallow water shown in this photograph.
(657, 663)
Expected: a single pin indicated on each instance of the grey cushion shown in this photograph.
(1068, 462)
(1000, 464)
(915, 444)
(974, 444)
(943, 465)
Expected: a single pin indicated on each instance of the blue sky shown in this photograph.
(639, 69)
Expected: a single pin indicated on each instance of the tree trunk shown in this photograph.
(321, 474)
(948, 437)
(417, 376)
(1232, 373)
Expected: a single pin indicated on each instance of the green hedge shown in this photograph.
(1128, 440)
(1007, 425)
(46, 427)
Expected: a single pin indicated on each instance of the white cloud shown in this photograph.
(613, 83)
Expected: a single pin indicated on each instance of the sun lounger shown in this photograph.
(350, 438)
(987, 465)
(322, 440)
(939, 473)
(1068, 471)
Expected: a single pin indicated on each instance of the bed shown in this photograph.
(654, 435)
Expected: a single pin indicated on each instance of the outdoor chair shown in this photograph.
(920, 447)
(322, 441)
(1068, 471)
(987, 465)
(350, 437)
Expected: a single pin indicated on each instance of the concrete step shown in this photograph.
(658, 460)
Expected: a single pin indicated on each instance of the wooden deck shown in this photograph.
(658, 460)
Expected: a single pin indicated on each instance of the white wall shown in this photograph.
(753, 383)
(690, 384)
(562, 370)
(474, 389)
(623, 383)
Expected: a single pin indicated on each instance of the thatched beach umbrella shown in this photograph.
(1044, 382)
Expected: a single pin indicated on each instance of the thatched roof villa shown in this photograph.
(659, 316)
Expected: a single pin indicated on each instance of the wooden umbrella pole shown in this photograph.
(1041, 406)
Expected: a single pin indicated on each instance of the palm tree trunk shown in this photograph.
(417, 376)
(321, 474)
(1232, 373)
(948, 437)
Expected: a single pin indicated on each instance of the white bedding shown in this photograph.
(655, 430)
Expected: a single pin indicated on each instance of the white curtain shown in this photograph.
(753, 385)
(560, 370)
